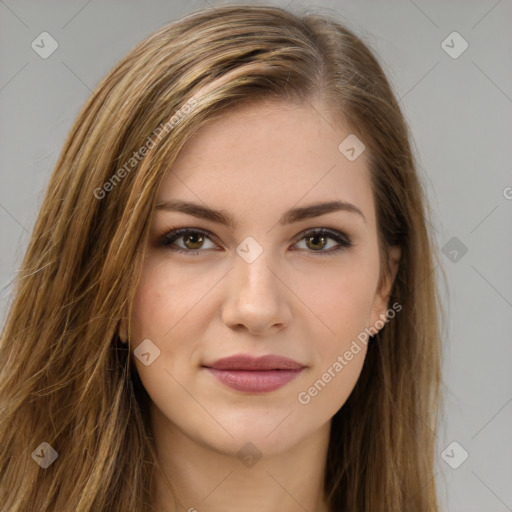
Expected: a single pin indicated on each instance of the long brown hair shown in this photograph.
(65, 378)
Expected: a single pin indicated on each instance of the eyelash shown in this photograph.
(343, 240)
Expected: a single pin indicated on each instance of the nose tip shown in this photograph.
(254, 299)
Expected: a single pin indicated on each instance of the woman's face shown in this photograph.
(262, 285)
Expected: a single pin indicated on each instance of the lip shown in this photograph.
(255, 374)
(248, 362)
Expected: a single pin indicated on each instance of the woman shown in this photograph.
(228, 300)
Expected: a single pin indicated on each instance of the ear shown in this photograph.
(381, 300)
(122, 331)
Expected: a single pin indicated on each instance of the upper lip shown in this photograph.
(248, 362)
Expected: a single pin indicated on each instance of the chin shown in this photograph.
(268, 437)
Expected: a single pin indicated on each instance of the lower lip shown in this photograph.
(254, 381)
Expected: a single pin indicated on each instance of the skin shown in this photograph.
(255, 163)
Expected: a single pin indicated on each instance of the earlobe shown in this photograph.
(122, 331)
(394, 256)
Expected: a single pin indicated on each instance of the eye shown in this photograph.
(317, 239)
(193, 240)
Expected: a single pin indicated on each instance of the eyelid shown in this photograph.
(329, 232)
(174, 234)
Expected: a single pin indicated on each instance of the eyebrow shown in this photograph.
(289, 217)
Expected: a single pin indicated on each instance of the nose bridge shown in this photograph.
(255, 296)
(253, 267)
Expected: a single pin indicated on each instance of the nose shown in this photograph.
(257, 298)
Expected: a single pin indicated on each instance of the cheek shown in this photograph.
(343, 305)
(167, 318)
(328, 390)
(158, 313)
(172, 309)
(341, 299)
(166, 300)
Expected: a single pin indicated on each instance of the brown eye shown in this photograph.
(192, 241)
(316, 242)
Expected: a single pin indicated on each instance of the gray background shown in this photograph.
(460, 113)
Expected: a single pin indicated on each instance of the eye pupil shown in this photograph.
(313, 237)
(197, 244)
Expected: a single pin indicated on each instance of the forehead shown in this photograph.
(268, 157)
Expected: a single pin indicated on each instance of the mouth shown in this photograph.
(255, 375)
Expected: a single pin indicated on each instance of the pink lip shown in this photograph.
(255, 375)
